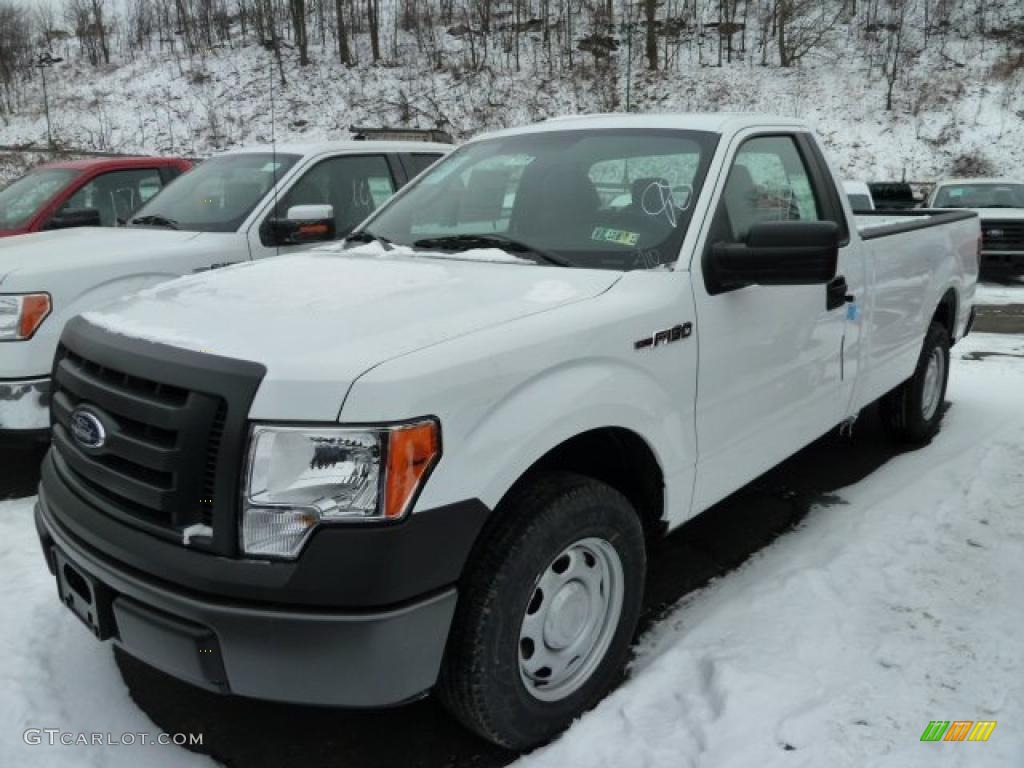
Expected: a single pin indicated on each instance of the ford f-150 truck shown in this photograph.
(240, 206)
(999, 204)
(430, 458)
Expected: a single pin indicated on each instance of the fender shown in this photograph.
(501, 413)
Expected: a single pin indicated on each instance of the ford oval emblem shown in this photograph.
(87, 429)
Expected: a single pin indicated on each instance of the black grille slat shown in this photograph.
(164, 392)
(116, 480)
(130, 439)
(134, 406)
(210, 471)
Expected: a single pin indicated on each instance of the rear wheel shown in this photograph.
(912, 412)
(547, 612)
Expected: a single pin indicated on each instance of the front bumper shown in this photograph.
(309, 656)
(1004, 263)
(24, 405)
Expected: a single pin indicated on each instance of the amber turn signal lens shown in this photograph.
(413, 451)
(34, 309)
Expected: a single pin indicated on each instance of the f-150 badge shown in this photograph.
(658, 338)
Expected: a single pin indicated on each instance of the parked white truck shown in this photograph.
(242, 205)
(432, 461)
(999, 203)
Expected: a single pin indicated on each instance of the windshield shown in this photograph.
(605, 199)
(24, 198)
(980, 196)
(218, 195)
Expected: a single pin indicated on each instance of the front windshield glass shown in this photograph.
(602, 199)
(216, 196)
(980, 196)
(24, 198)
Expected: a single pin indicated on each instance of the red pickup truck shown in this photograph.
(95, 192)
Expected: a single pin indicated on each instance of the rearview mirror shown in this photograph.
(304, 224)
(75, 217)
(778, 253)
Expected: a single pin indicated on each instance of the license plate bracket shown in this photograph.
(89, 599)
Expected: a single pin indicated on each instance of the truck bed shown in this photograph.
(875, 224)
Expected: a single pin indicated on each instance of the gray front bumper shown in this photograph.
(371, 659)
(24, 405)
(1004, 262)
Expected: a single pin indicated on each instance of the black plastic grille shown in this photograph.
(176, 424)
(1003, 235)
(149, 467)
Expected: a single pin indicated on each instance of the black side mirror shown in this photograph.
(75, 217)
(304, 224)
(778, 253)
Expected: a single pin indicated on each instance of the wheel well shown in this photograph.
(945, 313)
(619, 458)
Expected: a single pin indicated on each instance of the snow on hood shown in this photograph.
(318, 320)
(63, 249)
(380, 250)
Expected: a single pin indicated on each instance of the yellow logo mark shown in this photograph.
(982, 730)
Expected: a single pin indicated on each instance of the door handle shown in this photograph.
(836, 293)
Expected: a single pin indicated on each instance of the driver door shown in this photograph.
(353, 185)
(770, 378)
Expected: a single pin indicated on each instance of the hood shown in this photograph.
(318, 320)
(64, 249)
(1000, 214)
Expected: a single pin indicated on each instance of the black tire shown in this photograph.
(481, 681)
(905, 417)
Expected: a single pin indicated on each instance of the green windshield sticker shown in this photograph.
(620, 236)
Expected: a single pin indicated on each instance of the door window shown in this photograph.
(769, 181)
(353, 186)
(420, 162)
(116, 195)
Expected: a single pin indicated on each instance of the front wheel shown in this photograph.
(912, 412)
(547, 612)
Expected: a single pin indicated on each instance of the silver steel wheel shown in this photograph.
(571, 618)
(931, 391)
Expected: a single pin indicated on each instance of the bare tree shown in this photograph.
(651, 38)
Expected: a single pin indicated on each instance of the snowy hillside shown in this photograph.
(958, 103)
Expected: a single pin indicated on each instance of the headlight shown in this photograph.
(301, 477)
(22, 314)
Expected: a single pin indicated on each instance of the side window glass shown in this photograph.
(116, 195)
(354, 186)
(420, 162)
(768, 182)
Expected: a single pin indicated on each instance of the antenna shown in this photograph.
(273, 150)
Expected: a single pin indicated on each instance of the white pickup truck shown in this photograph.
(239, 206)
(430, 458)
(999, 203)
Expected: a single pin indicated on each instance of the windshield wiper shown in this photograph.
(365, 236)
(492, 240)
(155, 220)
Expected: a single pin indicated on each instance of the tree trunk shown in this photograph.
(782, 14)
(650, 10)
(373, 17)
(344, 54)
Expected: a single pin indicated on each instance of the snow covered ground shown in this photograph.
(997, 294)
(834, 646)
